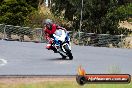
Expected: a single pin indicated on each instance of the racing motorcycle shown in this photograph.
(62, 44)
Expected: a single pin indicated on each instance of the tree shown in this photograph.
(99, 16)
(33, 3)
(14, 12)
(1, 1)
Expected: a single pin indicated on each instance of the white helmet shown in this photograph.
(48, 21)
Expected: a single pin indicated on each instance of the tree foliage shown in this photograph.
(99, 16)
(14, 12)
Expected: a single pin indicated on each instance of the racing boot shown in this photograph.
(50, 47)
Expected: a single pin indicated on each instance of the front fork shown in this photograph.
(66, 44)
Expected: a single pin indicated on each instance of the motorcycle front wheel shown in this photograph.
(68, 52)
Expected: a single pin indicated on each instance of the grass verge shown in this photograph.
(66, 83)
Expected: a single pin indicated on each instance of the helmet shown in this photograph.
(48, 23)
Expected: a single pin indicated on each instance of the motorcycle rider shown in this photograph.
(50, 29)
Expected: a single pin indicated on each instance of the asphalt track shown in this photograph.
(28, 58)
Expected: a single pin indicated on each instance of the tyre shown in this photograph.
(68, 52)
(63, 57)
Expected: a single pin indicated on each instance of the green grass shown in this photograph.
(64, 84)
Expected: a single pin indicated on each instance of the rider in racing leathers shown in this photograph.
(49, 30)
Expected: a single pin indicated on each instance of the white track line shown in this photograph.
(3, 62)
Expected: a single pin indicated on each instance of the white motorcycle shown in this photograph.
(63, 46)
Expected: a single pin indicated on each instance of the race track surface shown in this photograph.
(28, 58)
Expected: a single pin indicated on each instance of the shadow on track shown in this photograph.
(58, 59)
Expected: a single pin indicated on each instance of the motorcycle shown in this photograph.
(62, 44)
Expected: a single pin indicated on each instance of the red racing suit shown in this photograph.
(49, 34)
